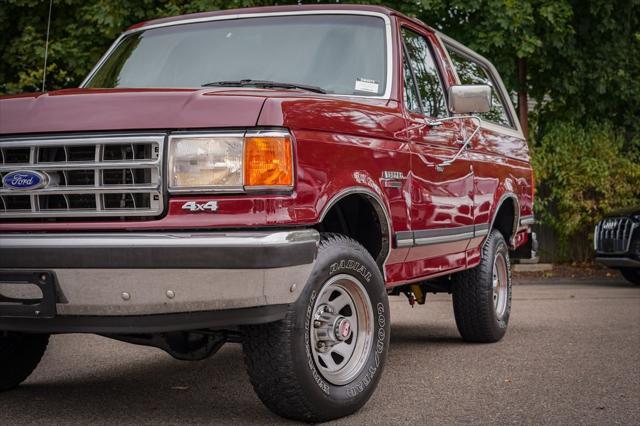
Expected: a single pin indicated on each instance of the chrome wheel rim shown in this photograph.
(341, 331)
(500, 285)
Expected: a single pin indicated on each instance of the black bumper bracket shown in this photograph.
(44, 307)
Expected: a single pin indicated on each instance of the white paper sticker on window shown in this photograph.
(366, 85)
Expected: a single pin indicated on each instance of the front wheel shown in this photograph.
(324, 360)
(482, 295)
(20, 354)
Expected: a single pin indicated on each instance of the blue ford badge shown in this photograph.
(25, 179)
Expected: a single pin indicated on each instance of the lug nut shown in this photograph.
(317, 324)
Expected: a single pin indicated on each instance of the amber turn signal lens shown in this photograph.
(268, 161)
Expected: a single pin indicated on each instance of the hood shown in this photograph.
(628, 211)
(82, 110)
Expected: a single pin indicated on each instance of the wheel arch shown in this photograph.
(506, 217)
(350, 201)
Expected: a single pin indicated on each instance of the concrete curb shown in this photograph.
(537, 267)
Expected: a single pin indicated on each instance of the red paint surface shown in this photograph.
(340, 142)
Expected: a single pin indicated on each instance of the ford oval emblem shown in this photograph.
(25, 179)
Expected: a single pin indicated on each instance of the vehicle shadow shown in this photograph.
(611, 282)
(423, 335)
(149, 390)
(112, 382)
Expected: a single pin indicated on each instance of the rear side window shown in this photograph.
(425, 73)
(471, 72)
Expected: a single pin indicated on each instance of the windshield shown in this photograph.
(340, 54)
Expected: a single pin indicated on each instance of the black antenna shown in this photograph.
(46, 48)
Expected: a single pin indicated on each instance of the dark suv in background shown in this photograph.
(617, 242)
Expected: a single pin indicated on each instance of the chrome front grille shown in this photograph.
(613, 235)
(87, 176)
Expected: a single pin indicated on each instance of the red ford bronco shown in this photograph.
(265, 176)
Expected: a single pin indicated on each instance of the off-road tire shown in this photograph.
(19, 355)
(473, 303)
(278, 355)
(631, 274)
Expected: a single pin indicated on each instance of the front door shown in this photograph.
(441, 198)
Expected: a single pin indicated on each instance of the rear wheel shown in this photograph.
(482, 295)
(324, 360)
(631, 274)
(19, 355)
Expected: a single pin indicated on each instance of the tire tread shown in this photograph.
(19, 356)
(269, 361)
(473, 296)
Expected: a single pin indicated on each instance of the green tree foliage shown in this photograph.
(582, 56)
(580, 182)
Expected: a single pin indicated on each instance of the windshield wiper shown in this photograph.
(265, 84)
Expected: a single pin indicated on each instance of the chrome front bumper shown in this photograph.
(131, 274)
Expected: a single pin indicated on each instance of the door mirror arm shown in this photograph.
(438, 122)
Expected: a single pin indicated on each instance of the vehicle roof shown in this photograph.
(275, 9)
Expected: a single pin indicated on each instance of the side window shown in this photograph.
(419, 56)
(471, 72)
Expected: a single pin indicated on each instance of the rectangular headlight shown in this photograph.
(200, 162)
(231, 162)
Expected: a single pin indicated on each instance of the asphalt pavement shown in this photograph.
(571, 355)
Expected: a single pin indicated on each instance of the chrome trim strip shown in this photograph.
(516, 131)
(404, 239)
(83, 165)
(105, 189)
(527, 220)
(151, 240)
(480, 230)
(211, 190)
(21, 214)
(387, 20)
(439, 232)
(443, 239)
(433, 236)
(446, 235)
(252, 133)
(123, 139)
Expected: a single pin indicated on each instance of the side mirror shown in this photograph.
(469, 99)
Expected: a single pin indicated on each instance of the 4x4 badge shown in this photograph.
(192, 206)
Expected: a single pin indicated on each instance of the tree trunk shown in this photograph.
(523, 107)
